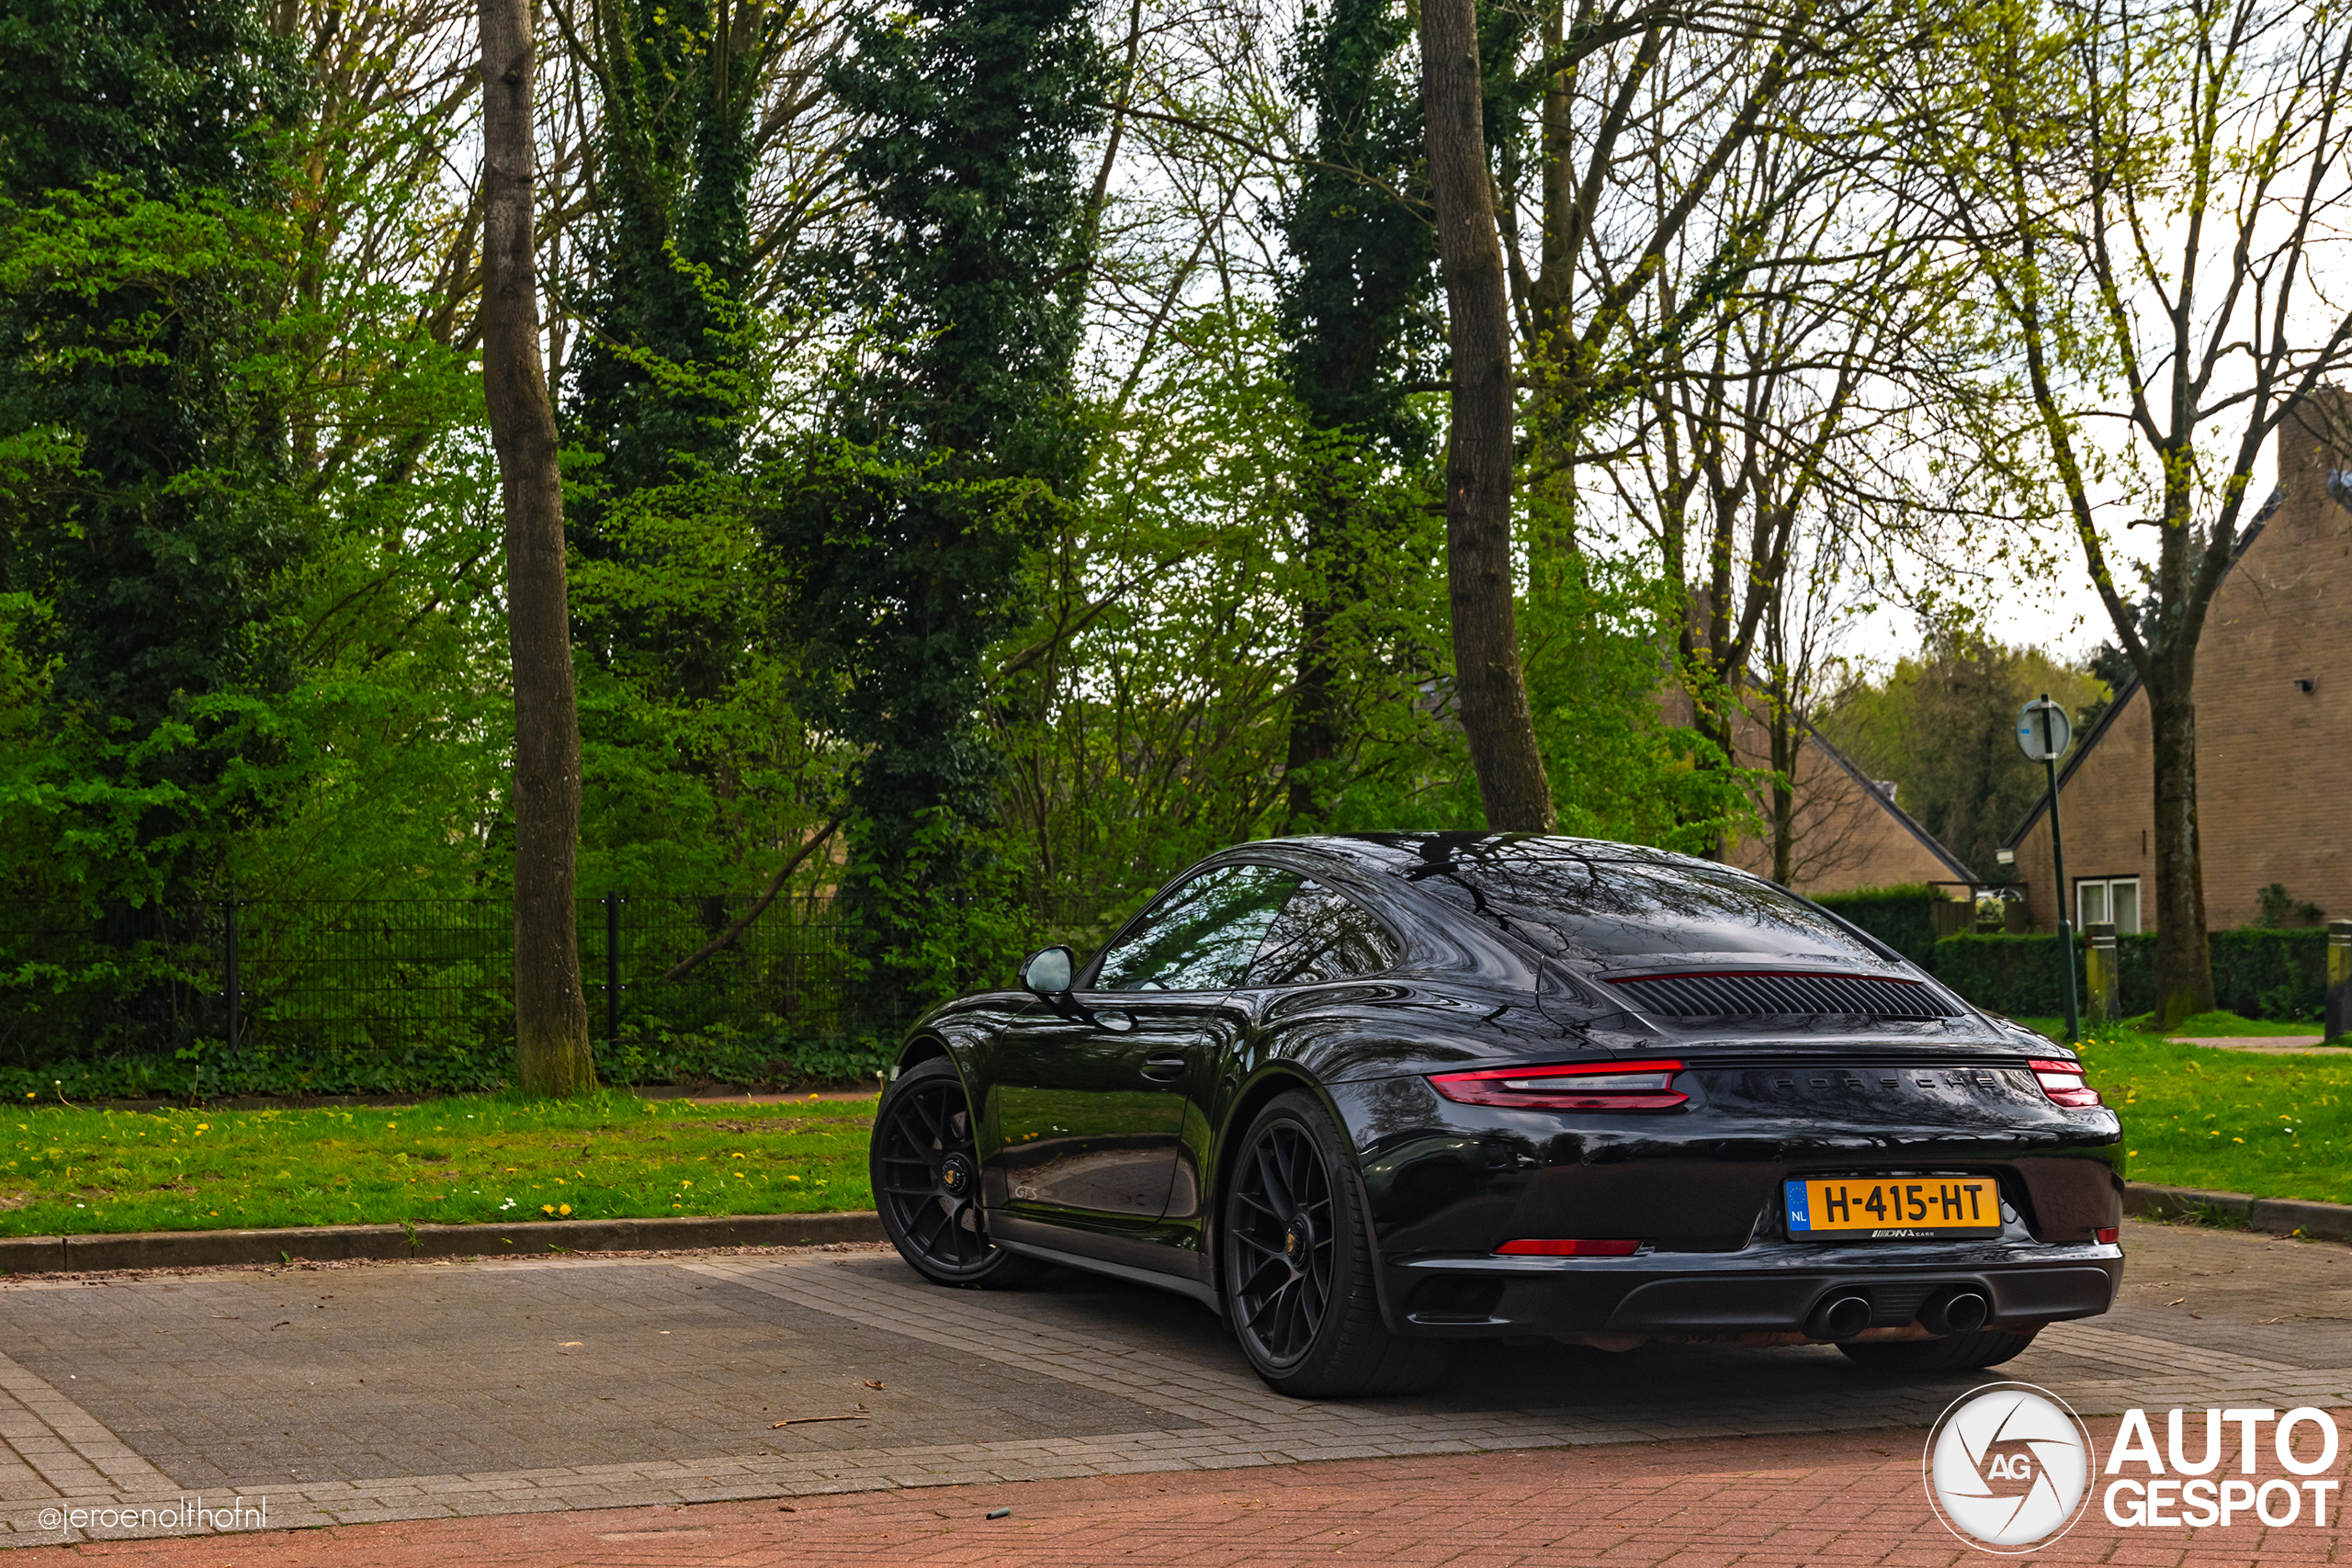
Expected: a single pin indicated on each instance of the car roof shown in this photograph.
(1404, 854)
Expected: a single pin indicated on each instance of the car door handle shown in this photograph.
(1163, 1068)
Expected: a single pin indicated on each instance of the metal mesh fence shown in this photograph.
(422, 977)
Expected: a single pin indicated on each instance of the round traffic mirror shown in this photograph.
(2044, 731)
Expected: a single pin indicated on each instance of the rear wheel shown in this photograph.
(1952, 1353)
(926, 1174)
(1298, 1262)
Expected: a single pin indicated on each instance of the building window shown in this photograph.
(2103, 898)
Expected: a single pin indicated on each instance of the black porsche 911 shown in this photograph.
(1369, 1095)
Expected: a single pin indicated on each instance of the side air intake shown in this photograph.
(1769, 993)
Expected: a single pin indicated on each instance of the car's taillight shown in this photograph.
(1585, 1086)
(2106, 1235)
(2063, 1082)
(1547, 1249)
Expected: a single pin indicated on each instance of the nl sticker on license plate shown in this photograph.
(1895, 1208)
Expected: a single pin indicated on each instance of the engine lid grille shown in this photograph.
(1760, 993)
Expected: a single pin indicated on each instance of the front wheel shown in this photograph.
(1298, 1263)
(926, 1173)
(1952, 1353)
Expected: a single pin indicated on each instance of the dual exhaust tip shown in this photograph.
(1844, 1314)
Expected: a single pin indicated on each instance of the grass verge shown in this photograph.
(2277, 1126)
(65, 1170)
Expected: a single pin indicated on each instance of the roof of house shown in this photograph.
(1886, 803)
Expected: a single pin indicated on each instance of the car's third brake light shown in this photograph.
(1583, 1086)
(2063, 1082)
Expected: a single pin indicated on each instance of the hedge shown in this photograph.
(2256, 973)
(1898, 917)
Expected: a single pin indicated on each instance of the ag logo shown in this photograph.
(2008, 1467)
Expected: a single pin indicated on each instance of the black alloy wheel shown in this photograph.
(926, 1175)
(1298, 1265)
(1283, 1234)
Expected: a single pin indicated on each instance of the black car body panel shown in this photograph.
(1101, 1136)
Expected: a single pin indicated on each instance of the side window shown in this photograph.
(1321, 935)
(1202, 936)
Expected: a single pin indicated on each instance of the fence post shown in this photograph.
(613, 970)
(2101, 971)
(2339, 979)
(236, 980)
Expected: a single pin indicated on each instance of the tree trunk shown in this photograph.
(1315, 731)
(1786, 746)
(551, 1055)
(1495, 718)
(2183, 964)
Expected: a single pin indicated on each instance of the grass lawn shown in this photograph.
(69, 1171)
(2277, 1126)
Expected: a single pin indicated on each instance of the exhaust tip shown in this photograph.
(1957, 1311)
(1839, 1318)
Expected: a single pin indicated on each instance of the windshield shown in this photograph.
(1599, 905)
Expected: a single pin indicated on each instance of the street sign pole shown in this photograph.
(2045, 732)
(2065, 925)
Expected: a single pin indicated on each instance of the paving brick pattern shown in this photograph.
(1850, 1500)
(510, 1387)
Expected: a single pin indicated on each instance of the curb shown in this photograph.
(2279, 1217)
(321, 1244)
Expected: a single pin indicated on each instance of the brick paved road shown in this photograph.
(510, 1387)
(1846, 1499)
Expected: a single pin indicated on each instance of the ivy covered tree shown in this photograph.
(143, 430)
(657, 392)
(954, 446)
(1357, 314)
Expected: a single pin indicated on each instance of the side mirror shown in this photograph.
(1049, 971)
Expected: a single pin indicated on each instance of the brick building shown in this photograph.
(2274, 724)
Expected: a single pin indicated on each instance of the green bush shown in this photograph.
(2270, 973)
(2256, 973)
(1899, 916)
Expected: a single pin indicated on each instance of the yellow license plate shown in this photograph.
(1894, 1208)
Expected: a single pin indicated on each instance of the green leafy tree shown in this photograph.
(1357, 312)
(658, 395)
(142, 269)
(954, 444)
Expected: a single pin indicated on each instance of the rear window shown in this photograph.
(1573, 906)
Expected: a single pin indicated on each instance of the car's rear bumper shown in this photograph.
(1769, 1288)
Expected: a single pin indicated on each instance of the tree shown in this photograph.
(656, 386)
(551, 1054)
(2149, 190)
(953, 447)
(1355, 312)
(143, 408)
(1480, 442)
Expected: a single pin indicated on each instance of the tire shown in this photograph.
(926, 1174)
(1298, 1266)
(1952, 1353)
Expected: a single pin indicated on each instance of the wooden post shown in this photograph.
(2339, 979)
(2101, 979)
